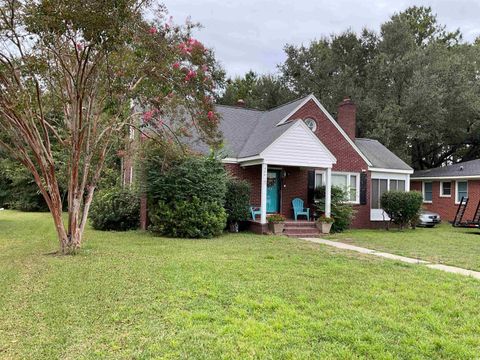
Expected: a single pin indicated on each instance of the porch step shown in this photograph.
(300, 229)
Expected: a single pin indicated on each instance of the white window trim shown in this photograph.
(314, 122)
(457, 200)
(348, 174)
(441, 189)
(323, 173)
(423, 192)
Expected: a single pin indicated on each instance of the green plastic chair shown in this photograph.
(254, 211)
(298, 209)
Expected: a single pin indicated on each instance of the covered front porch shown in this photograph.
(283, 171)
(280, 185)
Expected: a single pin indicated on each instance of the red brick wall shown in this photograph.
(445, 206)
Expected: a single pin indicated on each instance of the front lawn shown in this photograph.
(443, 244)
(131, 295)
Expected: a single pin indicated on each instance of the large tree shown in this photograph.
(415, 83)
(72, 75)
(257, 91)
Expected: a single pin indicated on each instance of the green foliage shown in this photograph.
(18, 190)
(410, 82)
(276, 218)
(341, 211)
(186, 198)
(237, 200)
(191, 218)
(258, 91)
(403, 208)
(327, 220)
(115, 209)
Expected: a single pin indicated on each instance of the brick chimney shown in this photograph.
(346, 117)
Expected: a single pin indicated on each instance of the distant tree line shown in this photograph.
(416, 85)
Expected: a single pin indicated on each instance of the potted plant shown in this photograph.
(324, 224)
(276, 223)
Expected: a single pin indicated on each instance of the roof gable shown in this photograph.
(298, 146)
(312, 97)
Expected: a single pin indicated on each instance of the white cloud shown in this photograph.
(251, 34)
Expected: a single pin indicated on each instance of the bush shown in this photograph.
(276, 218)
(341, 211)
(188, 219)
(237, 201)
(186, 199)
(115, 209)
(403, 208)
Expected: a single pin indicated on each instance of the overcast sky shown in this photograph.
(249, 34)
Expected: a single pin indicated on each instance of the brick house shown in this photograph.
(444, 187)
(285, 152)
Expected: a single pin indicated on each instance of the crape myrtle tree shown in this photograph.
(70, 74)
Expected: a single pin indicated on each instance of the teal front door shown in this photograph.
(273, 191)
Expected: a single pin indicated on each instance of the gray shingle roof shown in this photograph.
(467, 168)
(379, 155)
(248, 132)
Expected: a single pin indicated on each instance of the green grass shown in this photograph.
(443, 244)
(134, 296)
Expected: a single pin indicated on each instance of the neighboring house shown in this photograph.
(444, 187)
(286, 152)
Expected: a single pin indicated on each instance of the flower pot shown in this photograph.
(324, 227)
(276, 228)
(233, 227)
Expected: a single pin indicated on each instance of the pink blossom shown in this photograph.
(147, 116)
(152, 30)
(204, 68)
(191, 74)
(211, 115)
(176, 65)
(184, 49)
(79, 47)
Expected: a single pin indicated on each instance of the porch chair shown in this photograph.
(254, 211)
(298, 209)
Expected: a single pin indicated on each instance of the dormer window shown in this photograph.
(312, 124)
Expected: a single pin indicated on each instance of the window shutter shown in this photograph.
(363, 188)
(311, 186)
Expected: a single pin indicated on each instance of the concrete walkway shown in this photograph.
(446, 268)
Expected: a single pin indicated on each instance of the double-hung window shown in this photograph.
(350, 183)
(462, 191)
(427, 192)
(445, 188)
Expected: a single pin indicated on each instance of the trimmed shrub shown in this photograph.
(342, 212)
(115, 209)
(237, 202)
(186, 199)
(403, 208)
(188, 219)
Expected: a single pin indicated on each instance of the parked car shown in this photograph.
(428, 219)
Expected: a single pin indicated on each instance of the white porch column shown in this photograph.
(328, 193)
(263, 199)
